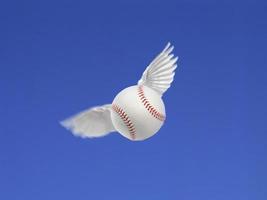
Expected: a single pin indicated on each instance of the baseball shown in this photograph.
(138, 112)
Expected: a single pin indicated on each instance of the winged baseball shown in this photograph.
(138, 111)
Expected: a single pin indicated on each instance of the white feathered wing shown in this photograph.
(160, 72)
(94, 122)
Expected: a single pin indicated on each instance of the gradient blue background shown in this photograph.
(60, 57)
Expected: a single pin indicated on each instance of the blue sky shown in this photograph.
(60, 57)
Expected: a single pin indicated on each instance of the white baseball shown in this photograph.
(138, 112)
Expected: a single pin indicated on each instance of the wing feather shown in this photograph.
(160, 72)
(94, 122)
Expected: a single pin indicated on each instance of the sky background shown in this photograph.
(60, 57)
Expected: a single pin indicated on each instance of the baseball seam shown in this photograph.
(148, 105)
(126, 120)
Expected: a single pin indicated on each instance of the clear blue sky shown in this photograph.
(60, 57)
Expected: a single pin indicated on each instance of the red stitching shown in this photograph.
(125, 119)
(148, 106)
